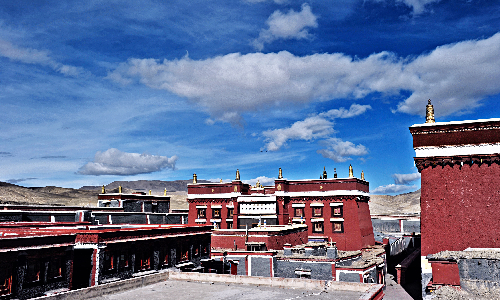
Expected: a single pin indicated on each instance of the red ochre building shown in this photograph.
(460, 197)
(41, 258)
(334, 210)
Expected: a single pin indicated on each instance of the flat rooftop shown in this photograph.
(177, 289)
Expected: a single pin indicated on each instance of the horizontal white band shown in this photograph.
(215, 220)
(229, 220)
(317, 204)
(298, 205)
(215, 206)
(214, 196)
(458, 150)
(336, 219)
(266, 198)
(323, 194)
(201, 220)
(201, 206)
(317, 219)
(229, 206)
(336, 204)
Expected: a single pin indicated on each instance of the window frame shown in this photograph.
(341, 227)
(341, 211)
(201, 213)
(298, 215)
(316, 229)
(315, 211)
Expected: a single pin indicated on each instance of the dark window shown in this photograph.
(337, 211)
(229, 225)
(318, 227)
(109, 261)
(317, 211)
(216, 213)
(123, 261)
(230, 212)
(298, 212)
(165, 261)
(55, 268)
(5, 282)
(33, 272)
(202, 213)
(185, 256)
(144, 261)
(338, 227)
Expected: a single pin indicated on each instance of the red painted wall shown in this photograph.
(226, 239)
(458, 205)
(446, 273)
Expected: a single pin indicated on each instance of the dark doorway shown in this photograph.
(82, 268)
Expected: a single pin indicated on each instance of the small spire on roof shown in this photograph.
(429, 113)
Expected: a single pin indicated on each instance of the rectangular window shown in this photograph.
(298, 212)
(318, 227)
(33, 272)
(230, 212)
(216, 213)
(338, 227)
(123, 261)
(317, 211)
(185, 256)
(337, 211)
(229, 225)
(109, 263)
(55, 268)
(5, 284)
(202, 213)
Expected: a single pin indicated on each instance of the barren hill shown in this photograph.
(408, 203)
(177, 190)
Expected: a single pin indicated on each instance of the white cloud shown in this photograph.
(116, 162)
(340, 151)
(405, 178)
(33, 56)
(418, 6)
(315, 127)
(354, 110)
(456, 77)
(265, 181)
(392, 189)
(291, 25)
(309, 129)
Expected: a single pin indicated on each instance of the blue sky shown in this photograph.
(97, 91)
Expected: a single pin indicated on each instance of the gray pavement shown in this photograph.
(176, 289)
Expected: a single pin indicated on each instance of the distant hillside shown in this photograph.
(408, 203)
(156, 186)
(177, 190)
(50, 195)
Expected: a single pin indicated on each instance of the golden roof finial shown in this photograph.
(221, 180)
(237, 174)
(195, 178)
(362, 175)
(334, 172)
(120, 189)
(165, 192)
(429, 113)
(103, 190)
(257, 185)
(351, 173)
(149, 192)
(325, 176)
(280, 174)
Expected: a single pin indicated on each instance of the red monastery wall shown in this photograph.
(459, 204)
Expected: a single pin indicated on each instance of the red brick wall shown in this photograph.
(459, 205)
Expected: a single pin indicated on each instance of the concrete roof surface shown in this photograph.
(175, 289)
